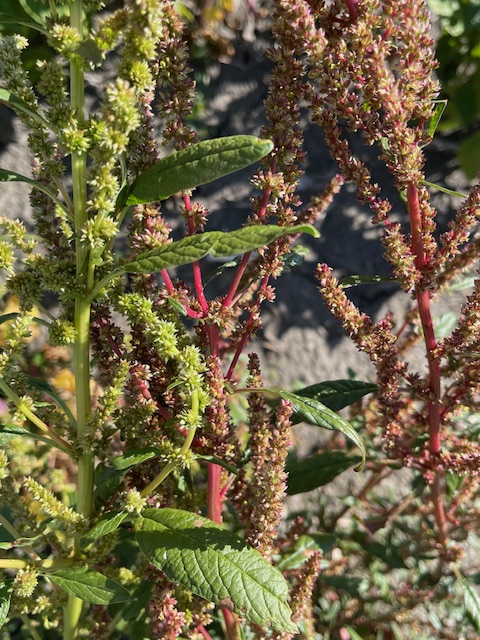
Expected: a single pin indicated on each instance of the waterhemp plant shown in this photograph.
(112, 504)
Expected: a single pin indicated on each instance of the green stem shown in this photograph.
(73, 609)
(32, 630)
(174, 463)
(167, 470)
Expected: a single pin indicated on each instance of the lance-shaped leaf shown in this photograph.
(6, 18)
(198, 164)
(13, 176)
(193, 248)
(108, 523)
(315, 412)
(90, 586)
(305, 474)
(337, 394)
(471, 598)
(215, 243)
(19, 105)
(216, 565)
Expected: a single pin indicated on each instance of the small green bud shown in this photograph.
(61, 333)
(7, 257)
(25, 582)
(63, 38)
(26, 286)
(133, 501)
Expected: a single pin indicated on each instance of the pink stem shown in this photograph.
(204, 632)
(197, 274)
(424, 310)
(171, 290)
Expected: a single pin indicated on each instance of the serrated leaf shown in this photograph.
(216, 565)
(356, 280)
(89, 586)
(471, 598)
(215, 243)
(337, 394)
(108, 523)
(315, 412)
(198, 164)
(306, 474)
(5, 595)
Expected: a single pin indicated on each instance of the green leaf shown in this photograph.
(216, 565)
(337, 394)
(6, 18)
(438, 110)
(218, 461)
(303, 548)
(13, 176)
(471, 598)
(438, 187)
(314, 412)
(108, 523)
(215, 243)
(465, 283)
(354, 281)
(9, 317)
(19, 105)
(198, 164)
(5, 595)
(444, 324)
(316, 471)
(107, 479)
(10, 431)
(89, 586)
(193, 248)
(353, 634)
(134, 456)
(42, 385)
(138, 601)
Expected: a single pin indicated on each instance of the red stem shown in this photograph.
(433, 405)
(204, 632)
(171, 290)
(197, 274)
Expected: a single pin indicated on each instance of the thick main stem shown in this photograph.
(433, 404)
(84, 276)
